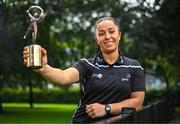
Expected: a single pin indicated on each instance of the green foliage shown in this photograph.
(159, 38)
(154, 95)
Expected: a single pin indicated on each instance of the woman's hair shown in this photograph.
(107, 18)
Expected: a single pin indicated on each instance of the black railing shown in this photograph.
(161, 111)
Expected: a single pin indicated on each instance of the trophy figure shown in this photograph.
(36, 14)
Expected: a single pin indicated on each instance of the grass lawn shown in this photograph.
(41, 113)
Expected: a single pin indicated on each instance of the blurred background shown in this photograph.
(150, 34)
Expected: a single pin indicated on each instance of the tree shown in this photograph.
(154, 36)
(166, 34)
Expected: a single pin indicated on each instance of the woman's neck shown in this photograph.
(112, 57)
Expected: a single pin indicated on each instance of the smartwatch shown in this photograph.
(107, 109)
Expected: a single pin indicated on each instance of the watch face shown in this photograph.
(108, 109)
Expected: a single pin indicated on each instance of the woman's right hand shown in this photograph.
(44, 58)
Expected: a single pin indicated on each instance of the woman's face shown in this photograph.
(107, 36)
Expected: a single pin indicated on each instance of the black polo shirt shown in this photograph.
(105, 84)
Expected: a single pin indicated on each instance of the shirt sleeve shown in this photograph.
(138, 81)
(81, 67)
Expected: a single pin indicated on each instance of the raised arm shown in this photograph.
(62, 77)
(55, 75)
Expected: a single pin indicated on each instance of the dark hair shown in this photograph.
(107, 18)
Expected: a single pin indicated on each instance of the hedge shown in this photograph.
(39, 95)
(60, 96)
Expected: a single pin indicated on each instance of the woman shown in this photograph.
(109, 81)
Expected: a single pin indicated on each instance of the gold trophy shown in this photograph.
(36, 14)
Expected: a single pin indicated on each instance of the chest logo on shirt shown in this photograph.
(126, 78)
(97, 75)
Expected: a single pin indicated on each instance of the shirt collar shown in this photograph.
(100, 60)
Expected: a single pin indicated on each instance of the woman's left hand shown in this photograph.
(95, 110)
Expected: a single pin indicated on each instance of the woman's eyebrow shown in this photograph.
(112, 28)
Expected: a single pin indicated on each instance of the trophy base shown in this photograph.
(34, 60)
(34, 67)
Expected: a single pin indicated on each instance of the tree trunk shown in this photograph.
(1, 108)
(30, 88)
